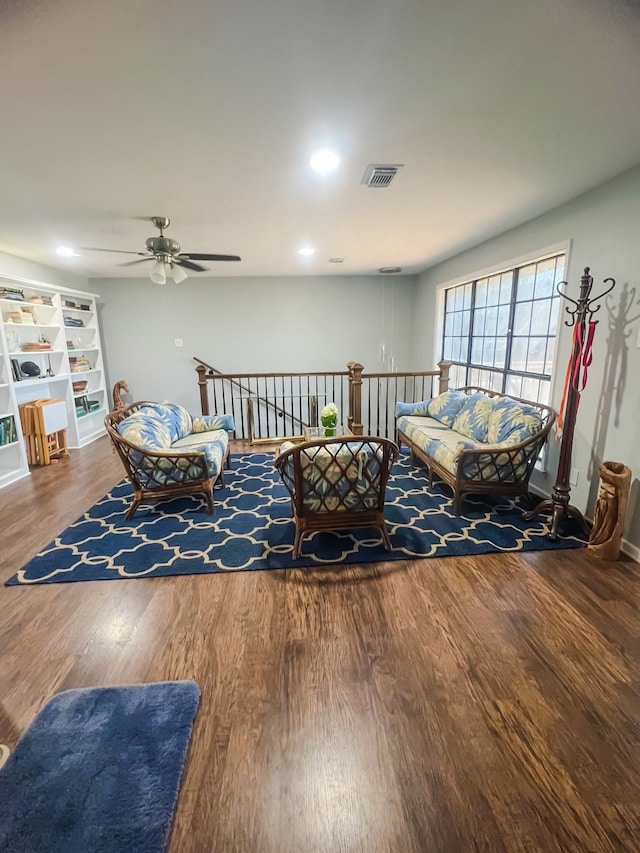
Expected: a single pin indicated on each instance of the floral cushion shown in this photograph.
(473, 418)
(145, 431)
(213, 447)
(409, 425)
(445, 407)
(333, 480)
(176, 418)
(510, 416)
(443, 453)
(168, 427)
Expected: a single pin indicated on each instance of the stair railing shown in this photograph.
(272, 406)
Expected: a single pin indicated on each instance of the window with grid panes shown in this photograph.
(500, 331)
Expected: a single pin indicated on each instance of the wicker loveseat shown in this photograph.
(337, 483)
(167, 452)
(477, 441)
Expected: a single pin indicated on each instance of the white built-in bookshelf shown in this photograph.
(50, 347)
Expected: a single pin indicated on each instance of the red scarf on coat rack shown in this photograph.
(579, 363)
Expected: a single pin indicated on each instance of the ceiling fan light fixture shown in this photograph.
(178, 273)
(158, 273)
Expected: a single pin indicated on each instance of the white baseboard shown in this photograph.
(631, 550)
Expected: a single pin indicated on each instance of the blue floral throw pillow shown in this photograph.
(420, 409)
(473, 418)
(445, 407)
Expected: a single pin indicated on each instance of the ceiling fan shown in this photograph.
(165, 252)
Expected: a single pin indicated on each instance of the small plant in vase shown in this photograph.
(329, 418)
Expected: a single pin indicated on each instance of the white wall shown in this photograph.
(20, 268)
(248, 324)
(603, 226)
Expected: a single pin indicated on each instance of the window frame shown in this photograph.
(512, 266)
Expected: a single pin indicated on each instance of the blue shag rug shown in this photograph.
(252, 528)
(98, 771)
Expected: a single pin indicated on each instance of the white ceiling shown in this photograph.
(208, 112)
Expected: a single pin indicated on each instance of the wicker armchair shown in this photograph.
(191, 465)
(337, 484)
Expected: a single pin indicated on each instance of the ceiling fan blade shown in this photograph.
(198, 256)
(141, 261)
(117, 251)
(184, 262)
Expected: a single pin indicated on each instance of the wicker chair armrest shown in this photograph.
(186, 453)
(501, 462)
(282, 456)
(502, 447)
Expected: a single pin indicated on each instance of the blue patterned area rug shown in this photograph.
(98, 770)
(252, 529)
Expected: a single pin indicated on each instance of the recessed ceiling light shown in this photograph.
(306, 251)
(324, 161)
(66, 252)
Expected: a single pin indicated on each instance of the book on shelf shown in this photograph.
(11, 293)
(21, 317)
(76, 306)
(8, 432)
(36, 346)
(78, 364)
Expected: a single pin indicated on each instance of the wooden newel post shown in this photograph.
(443, 383)
(354, 419)
(204, 389)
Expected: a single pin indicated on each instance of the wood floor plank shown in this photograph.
(487, 703)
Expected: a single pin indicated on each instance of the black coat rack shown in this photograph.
(584, 326)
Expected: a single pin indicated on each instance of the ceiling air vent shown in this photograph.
(380, 176)
(336, 260)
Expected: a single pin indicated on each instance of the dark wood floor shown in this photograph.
(449, 705)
